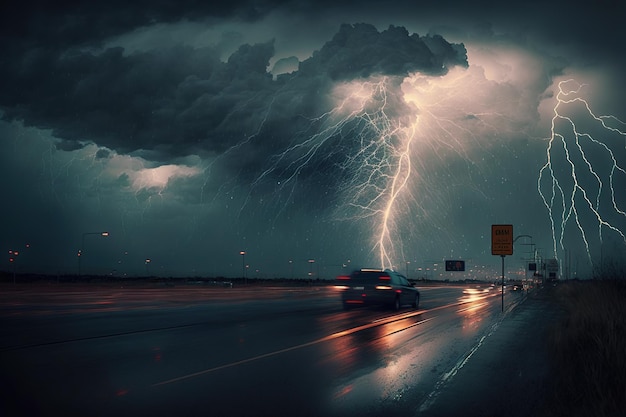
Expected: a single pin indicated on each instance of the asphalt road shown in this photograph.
(271, 351)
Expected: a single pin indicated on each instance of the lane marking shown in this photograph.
(347, 332)
(447, 377)
(332, 336)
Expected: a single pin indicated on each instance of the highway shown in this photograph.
(247, 351)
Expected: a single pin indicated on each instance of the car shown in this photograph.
(380, 287)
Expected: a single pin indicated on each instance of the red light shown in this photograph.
(343, 277)
(121, 392)
(384, 277)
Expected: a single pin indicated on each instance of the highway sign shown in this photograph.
(455, 265)
(502, 239)
(552, 265)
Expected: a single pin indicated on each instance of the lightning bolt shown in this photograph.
(581, 170)
(374, 141)
(378, 135)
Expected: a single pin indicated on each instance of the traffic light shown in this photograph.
(455, 265)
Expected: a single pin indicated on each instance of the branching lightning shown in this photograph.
(373, 138)
(583, 163)
(377, 139)
(377, 169)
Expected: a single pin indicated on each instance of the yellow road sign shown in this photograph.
(502, 239)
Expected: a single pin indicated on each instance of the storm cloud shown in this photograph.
(180, 101)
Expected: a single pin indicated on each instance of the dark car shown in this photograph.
(377, 287)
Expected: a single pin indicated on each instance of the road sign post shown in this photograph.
(502, 244)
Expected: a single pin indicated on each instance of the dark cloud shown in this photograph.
(179, 101)
(358, 51)
(68, 23)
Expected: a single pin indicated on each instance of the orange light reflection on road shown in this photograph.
(473, 300)
(344, 391)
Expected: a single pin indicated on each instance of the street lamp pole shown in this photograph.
(148, 260)
(82, 246)
(243, 265)
(526, 244)
(12, 260)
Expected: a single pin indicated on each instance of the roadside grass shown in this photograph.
(588, 350)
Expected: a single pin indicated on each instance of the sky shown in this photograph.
(316, 137)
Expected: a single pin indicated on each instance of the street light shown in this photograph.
(346, 265)
(527, 244)
(148, 260)
(243, 265)
(82, 246)
(311, 262)
(13, 254)
(12, 260)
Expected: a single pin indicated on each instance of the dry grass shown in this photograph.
(589, 350)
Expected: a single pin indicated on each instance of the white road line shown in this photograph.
(447, 377)
(333, 336)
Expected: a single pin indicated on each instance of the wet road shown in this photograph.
(197, 350)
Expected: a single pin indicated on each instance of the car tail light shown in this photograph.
(341, 286)
(384, 278)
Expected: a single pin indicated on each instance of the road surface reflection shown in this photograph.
(206, 349)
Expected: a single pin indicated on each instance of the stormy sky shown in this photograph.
(351, 134)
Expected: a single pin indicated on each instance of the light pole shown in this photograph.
(311, 262)
(13, 254)
(82, 246)
(532, 245)
(148, 260)
(243, 265)
(12, 260)
(407, 269)
(347, 265)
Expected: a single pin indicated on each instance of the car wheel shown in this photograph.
(396, 304)
(416, 302)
